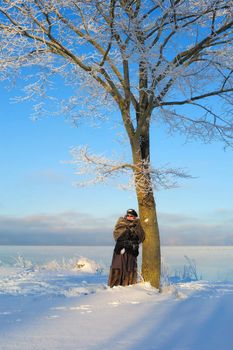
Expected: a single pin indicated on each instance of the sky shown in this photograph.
(40, 204)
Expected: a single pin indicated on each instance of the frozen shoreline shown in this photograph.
(213, 263)
(63, 309)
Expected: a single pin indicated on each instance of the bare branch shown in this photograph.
(195, 98)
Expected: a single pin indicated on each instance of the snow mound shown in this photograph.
(87, 266)
(77, 264)
(72, 277)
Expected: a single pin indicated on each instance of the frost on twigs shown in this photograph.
(94, 169)
(143, 57)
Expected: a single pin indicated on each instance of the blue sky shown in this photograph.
(39, 202)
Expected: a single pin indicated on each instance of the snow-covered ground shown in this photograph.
(70, 307)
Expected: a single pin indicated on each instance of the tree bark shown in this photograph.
(151, 256)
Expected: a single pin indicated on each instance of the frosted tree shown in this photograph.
(152, 58)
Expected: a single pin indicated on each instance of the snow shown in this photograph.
(69, 306)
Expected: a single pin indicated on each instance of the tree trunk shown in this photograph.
(140, 147)
(151, 256)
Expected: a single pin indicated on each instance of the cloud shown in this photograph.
(63, 228)
(214, 229)
(175, 218)
(75, 228)
(223, 214)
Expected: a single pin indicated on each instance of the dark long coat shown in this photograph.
(128, 235)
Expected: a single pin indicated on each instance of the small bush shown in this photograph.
(187, 274)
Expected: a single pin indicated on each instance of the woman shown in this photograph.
(128, 234)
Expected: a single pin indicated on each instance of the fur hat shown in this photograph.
(132, 212)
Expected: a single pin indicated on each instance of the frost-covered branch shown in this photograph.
(94, 169)
(139, 58)
(195, 98)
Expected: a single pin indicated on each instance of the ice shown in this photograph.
(67, 305)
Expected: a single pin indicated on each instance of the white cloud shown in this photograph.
(182, 229)
(66, 228)
(84, 228)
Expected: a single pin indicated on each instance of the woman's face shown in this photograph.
(131, 217)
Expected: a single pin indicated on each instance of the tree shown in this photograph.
(150, 57)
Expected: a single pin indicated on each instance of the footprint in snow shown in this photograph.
(117, 303)
(52, 317)
(134, 302)
(114, 304)
(83, 308)
(58, 308)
